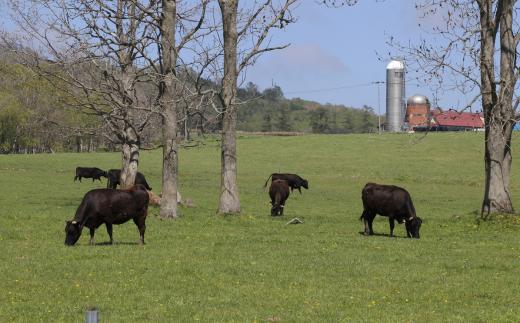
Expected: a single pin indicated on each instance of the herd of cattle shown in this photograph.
(115, 206)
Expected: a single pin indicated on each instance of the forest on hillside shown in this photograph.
(37, 116)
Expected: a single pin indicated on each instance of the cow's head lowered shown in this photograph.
(72, 232)
(413, 225)
(277, 209)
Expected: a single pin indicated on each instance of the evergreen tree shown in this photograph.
(320, 120)
(266, 123)
(284, 123)
(348, 125)
(367, 122)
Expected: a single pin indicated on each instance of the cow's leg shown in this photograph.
(299, 189)
(392, 224)
(369, 219)
(92, 231)
(79, 179)
(281, 209)
(109, 231)
(140, 223)
(365, 216)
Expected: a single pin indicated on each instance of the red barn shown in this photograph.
(453, 120)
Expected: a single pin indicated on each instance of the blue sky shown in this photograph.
(337, 49)
(333, 56)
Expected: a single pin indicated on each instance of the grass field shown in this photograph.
(206, 267)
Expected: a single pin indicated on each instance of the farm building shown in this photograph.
(417, 111)
(453, 120)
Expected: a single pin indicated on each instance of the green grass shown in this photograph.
(252, 267)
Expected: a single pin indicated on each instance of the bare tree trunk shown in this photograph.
(168, 107)
(131, 140)
(186, 127)
(78, 144)
(229, 198)
(497, 198)
(130, 158)
(498, 109)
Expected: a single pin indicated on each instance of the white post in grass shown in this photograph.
(91, 316)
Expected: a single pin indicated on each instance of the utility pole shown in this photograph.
(378, 105)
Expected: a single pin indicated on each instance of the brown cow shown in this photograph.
(294, 181)
(89, 172)
(110, 207)
(114, 175)
(393, 202)
(279, 192)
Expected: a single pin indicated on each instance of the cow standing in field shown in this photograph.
(294, 181)
(279, 192)
(114, 176)
(89, 172)
(110, 207)
(393, 202)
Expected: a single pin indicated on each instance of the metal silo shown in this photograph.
(395, 96)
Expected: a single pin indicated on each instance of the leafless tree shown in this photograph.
(472, 59)
(172, 92)
(97, 51)
(254, 23)
(112, 56)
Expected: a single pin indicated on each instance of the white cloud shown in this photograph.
(299, 67)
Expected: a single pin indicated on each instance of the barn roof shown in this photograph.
(453, 118)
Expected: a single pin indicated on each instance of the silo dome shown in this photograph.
(395, 65)
(418, 112)
(417, 99)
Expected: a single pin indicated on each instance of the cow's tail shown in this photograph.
(267, 181)
(362, 217)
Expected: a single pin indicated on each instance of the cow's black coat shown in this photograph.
(294, 181)
(393, 202)
(114, 176)
(110, 207)
(279, 192)
(89, 172)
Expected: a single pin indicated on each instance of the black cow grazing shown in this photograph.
(110, 207)
(114, 176)
(279, 192)
(391, 201)
(89, 172)
(293, 180)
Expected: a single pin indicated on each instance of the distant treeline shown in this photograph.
(269, 110)
(36, 116)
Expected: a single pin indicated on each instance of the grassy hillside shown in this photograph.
(206, 267)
